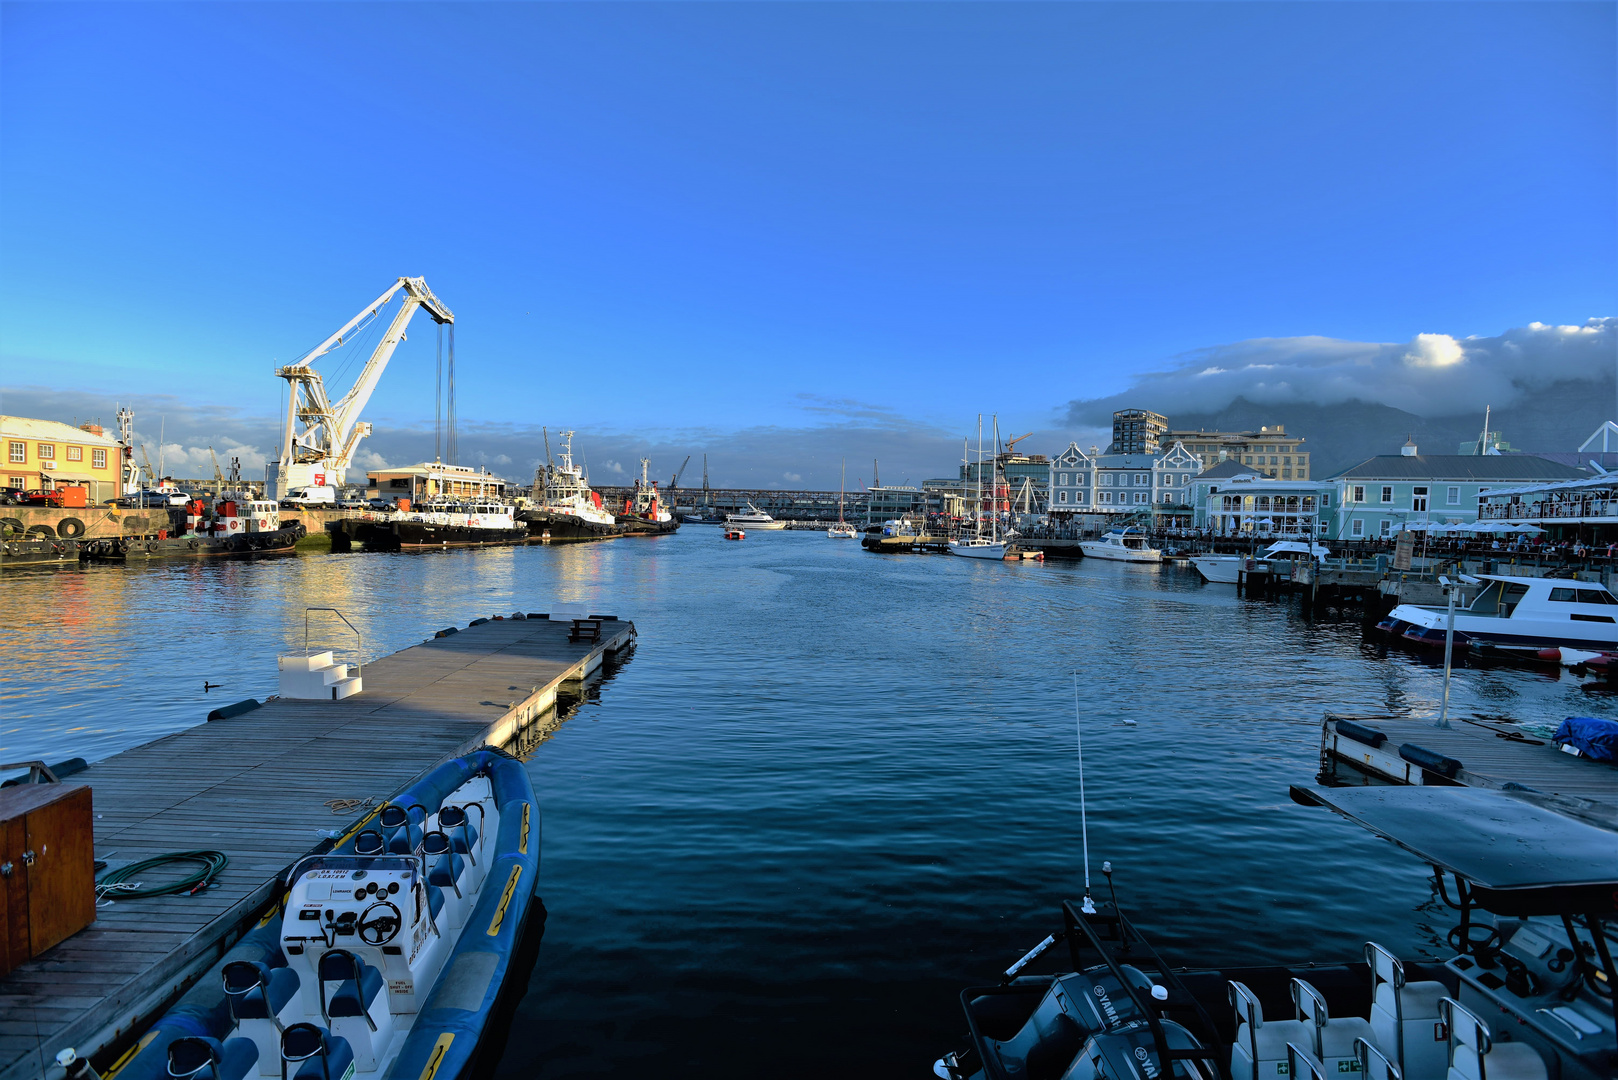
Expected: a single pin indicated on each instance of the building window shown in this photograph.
(47, 451)
(1063, 480)
(1061, 497)
(1418, 500)
(19, 455)
(1168, 497)
(1387, 528)
(1107, 480)
(1081, 498)
(1387, 494)
(1325, 501)
(1303, 474)
(75, 453)
(1141, 498)
(1105, 496)
(1286, 474)
(1453, 498)
(1249, 460)
(1357, 495)
(98, 459)
(16, 483)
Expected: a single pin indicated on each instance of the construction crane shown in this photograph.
(1011, 444)
(218, 475)
(674, 482)
(318, 454)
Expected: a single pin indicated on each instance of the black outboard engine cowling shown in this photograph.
(1130, 1053)
(1076, 1007)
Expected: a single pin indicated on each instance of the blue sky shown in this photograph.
(829, 226)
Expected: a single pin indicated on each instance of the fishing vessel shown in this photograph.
(1526, 994)
(1122, 545)
(978, 546)
(564, 507)
(842, 530)
(754, 518)
(1225, 569)
(387, 955)
(444, 523)
(1542, 612)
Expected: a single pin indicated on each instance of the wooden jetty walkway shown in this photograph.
(1470, 753)
(256, 787)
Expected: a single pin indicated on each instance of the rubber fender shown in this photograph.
(43, 532)
(447, 631)
(537, 615)
(226, 712)
(14, 524)
(476, 622)
(70, 527)
(1360, 733)
(151, 546)
(1430, 760)
(60, 769)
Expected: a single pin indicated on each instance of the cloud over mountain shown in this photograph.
(1430, 375)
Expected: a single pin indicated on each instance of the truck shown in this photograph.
(319, 495)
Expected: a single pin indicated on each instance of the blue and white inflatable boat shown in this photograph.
(388, 952)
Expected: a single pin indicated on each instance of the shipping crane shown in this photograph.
(318, 454)
(1011, 444)
(674, 481)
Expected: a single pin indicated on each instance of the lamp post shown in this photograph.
(1450, 589)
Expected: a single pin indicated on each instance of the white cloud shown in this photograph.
(370, 459)
(791, 477)
(612, 467)
(1433, 374)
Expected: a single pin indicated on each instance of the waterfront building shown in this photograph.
(1585, 509)
(1232, 499)
(1015, 470)
(1381, 495)
(894, 501)
(1157, 486)
(49, 454)
(1137, 431)
(1269, 450)
(432, 480)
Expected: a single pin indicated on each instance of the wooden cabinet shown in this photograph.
(47, 868)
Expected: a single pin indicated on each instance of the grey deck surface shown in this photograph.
(255, 787)
(1488, 760)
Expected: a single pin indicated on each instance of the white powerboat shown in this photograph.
(978, 548)
(1518, 611)
(1121, 545)
(1224, 569)
(754, 518)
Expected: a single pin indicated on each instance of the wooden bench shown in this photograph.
(585, 629)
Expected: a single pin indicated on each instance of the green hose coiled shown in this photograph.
(117, 883)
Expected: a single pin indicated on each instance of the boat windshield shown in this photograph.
(1499, 598)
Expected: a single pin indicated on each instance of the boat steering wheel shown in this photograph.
(378, 926)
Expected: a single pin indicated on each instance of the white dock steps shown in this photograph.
(316, 678)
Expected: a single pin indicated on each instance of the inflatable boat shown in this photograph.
(387, 953)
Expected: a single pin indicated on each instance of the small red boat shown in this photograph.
(735, 534)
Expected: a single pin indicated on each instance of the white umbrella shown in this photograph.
(1534, 530)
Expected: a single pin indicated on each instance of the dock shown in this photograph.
(1470, 753)
(262, 787)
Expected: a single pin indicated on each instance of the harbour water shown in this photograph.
(828, 788)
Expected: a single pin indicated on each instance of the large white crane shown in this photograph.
(321, 435)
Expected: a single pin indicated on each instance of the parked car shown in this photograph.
(353, 504)
(42, 497)
(381, 504)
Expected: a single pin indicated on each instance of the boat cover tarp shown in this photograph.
(1594, 737)
(1494, 839)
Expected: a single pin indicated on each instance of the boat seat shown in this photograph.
(1303, 1065)
(405, 840)
(455, 821)
(1332, 1039)
(209, 1059)
(1374, 1064)
(316, 1052)
(1260, 1049)
(1474, 1055)
(1405, 1024)
(370, 842)
(398, 823)
(356, 1005)
(262, 1001)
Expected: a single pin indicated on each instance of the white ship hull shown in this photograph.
(1218, 569)
(1098, 550)
(968, 549)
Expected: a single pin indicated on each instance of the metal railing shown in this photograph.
(359, 642)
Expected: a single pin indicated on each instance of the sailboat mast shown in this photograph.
(841, 483)
(994, 482)
(977, 524)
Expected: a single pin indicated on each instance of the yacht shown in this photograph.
(1224, 569)
(1122, 545)
(754, 518)
(842, 530)
(1544, 612)
(977, 546)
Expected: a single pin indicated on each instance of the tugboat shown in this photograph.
(566, 508)
(644, 513)
(386, 955)
(444, 523)
(1528, 995)
(236, 523)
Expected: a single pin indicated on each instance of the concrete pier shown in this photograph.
(257, 787)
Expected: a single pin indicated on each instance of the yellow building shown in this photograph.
(47, 454)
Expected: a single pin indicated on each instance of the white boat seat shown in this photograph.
(1332, 1039)
(1302, 1065)
(1260, 1049)
(198, 1056)
(1474, 1055)
(263, 1000)
(355, 1003)
(1374, 1064)
(316, 1053)
(1405, 1024)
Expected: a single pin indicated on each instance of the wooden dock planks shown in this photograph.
(1488, 758)
(255, 786)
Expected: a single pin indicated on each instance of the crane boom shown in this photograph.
(675, 482)
(331, 431)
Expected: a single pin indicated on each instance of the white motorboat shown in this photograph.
(754, 518)
(1224, 569)
(978, 548)
(1121, 545)
(1537, 611)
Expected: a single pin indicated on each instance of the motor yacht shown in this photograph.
(1224, 569)
(754, 518)
(1121, 545)
(1543, 612)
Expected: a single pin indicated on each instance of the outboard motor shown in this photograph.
(1130, 1053)
(1075, 1008)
